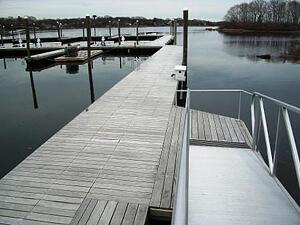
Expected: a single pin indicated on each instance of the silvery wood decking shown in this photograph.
(218, 130)
(109, 152)
(227, 132)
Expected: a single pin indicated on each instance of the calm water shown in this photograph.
(62, 92)
(216, 61)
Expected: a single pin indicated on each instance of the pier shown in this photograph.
(136, 157)
(106, 159)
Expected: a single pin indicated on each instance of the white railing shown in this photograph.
(257, 110)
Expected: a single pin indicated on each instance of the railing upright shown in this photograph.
(240, 103)
(266, 134)
(180, 215)
(275, 159)
(292, 142)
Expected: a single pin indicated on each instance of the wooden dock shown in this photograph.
(103, 165)
(82, 56)
(150, 45)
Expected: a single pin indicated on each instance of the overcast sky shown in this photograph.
(202, 9)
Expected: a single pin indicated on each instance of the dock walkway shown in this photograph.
(102, 166)
(228, 182)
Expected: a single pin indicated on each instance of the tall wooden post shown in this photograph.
(94, 16)
(34, 34)
(61, 30)
(2, 33)
(27, 38)
(82, 29)
(58, 30)
(88, 31)
(109, 24)
(119, 31)
(90, 71)
(12, 32)
(35, 102)
(137, 32)
(175, 31)
(185, 36)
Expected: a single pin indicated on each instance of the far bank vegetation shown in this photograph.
(264, 16)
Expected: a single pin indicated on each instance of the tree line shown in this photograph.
(97, 21)
(263, 11)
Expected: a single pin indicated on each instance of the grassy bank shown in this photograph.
(259, 29)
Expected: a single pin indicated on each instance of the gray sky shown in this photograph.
(202, 9)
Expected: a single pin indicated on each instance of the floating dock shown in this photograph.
(129, 46)
(82, 56)
(105, 160)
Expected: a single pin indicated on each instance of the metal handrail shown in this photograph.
(180, 215)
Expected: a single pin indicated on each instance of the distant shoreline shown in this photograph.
(240, 31)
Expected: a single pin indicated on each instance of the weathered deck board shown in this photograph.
(213, 128)
(165, 181)
(82, 56)
(109, 153)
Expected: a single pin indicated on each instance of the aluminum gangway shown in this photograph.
(227, 184)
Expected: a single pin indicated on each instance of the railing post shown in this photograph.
(266, 134)
(185, 36)
(292, 142)
(276, 144)
(180, 211)
(253, 123)
(188, 102)
(240, 102)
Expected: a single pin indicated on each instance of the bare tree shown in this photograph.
(263, 11)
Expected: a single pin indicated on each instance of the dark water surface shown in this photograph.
(216, 61)
(61, 92)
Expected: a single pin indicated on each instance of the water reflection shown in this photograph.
(90, 72)
(252, 46)
(72, 68)
(35, 103)
(4, 63)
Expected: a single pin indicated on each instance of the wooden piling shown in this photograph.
(35, 103)
(88, 31)
(27, 38)
(61, 30)
(58, 31)
(175, 32)
(2, 33)
(119, 31)
(83, 29)
(185, 36)
(12, 32)
(4, 63)
(34, 34)
(137, 32)
(90, 72)
(94, 21)
(109, 24)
